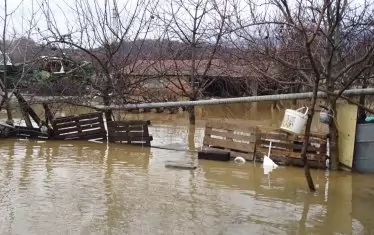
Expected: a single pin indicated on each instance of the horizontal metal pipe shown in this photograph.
(305, 95)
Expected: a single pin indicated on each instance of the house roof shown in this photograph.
(218, 68)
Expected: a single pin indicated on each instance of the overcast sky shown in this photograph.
(24, 10)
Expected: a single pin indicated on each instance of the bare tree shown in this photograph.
(326, 43)
(200, 25)
(110, 35)
(5, 60)
(14, 72)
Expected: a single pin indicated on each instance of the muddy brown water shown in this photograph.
(81, 187)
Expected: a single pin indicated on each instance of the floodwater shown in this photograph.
(82, 187)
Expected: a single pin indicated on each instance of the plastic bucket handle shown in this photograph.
(307, 109)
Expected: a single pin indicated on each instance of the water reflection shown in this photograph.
(81, 187)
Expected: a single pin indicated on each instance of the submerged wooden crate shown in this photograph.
(83, 127)
(27, 133)
(129, 132)
(239, 140)
(286, 148)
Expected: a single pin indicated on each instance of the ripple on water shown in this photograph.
(90, 188)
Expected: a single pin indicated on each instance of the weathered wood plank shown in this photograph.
(81, 134)
(278, 130)
(90, 115)
(91, 121)
(76, 122)
(80, 117)
(56, 124)
(287, 146)
(92, 126)
(73, 128)
(77, 129)
(28, 132)
(230, 135)
(278, 152)
(276, 136)
(245, 147)
(129, 123)
(128, 128)
(261, 151)
(67, 130)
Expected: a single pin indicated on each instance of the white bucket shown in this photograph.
(294, 120)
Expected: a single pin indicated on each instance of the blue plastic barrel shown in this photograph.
(363, 160)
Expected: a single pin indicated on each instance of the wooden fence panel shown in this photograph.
(252, 143)
(27, 133)
(286, 148)
(83, 127)
(129, 132)
(239, 140)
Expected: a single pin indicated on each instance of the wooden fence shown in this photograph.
(129, 132)
(240, 141)
(83, 127)
(246, 141)
(286, 148)
(252, 143)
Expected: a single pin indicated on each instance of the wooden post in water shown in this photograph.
(47, 114)
(23, 103)
(25, 116)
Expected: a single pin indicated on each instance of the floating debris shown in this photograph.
(180, 165)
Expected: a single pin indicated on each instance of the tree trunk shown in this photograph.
(333, 132)
(26, 107)
(334, 148)
(295, 89)
(362, 101)
(191, 137)
(192, 113)
(109, 112)
(108, 115)
(8, 111)
(304, 150)
(306, 140)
